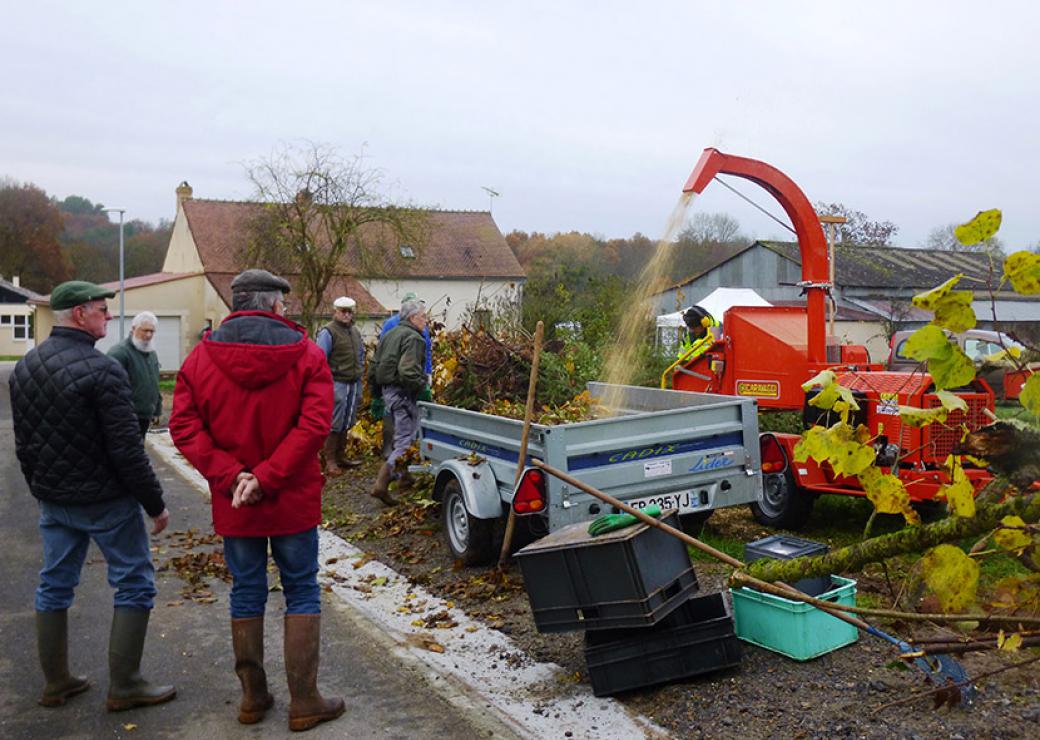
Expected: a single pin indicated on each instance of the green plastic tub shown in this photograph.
(793, 628)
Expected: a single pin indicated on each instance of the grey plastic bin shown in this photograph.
(786, 547)
(631, 577)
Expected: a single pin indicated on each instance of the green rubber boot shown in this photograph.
(52, 642)
(127, 688)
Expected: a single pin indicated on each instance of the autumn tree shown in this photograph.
(30, 225)
(321, 216)
(859, 229)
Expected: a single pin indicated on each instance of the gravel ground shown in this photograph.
(769, 696)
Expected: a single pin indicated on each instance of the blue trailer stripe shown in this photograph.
(664, 449)
(480, 448)
(596, 459)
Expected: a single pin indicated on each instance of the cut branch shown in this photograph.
(911, 539)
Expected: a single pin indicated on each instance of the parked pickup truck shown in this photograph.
(692, 451)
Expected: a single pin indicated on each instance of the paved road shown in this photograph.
(188, 644)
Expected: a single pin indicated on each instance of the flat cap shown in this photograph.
(344, 302)
(258, 281)
(77, 292)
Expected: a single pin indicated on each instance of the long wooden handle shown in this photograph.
(532, 384)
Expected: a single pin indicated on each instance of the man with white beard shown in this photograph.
(137, 355)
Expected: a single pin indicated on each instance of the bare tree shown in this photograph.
(322, 216)
(712, 228)
(859, 229)
(944, 238)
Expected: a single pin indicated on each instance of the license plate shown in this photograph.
(684, 501)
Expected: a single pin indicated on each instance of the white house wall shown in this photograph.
(10, 346)
(448, 301)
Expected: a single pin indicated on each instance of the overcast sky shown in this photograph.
(582, 115)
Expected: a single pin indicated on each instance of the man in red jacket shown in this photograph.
(251, 409)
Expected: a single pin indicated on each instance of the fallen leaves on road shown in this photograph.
(424, 641)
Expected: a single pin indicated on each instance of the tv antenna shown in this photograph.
(492, 194)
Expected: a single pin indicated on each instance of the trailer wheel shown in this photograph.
(470, 539)
(692, 524)
(783, 504)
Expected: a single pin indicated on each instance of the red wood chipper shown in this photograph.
(768, 352)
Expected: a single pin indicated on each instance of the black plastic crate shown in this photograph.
(631, 577)
(786, 547)
(696, 638)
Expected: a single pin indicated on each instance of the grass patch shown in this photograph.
(730, 546)
(994, 567)
(1014, 410)
(167, 384)
(10, 358)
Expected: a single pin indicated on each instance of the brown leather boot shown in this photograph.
(332, 470)
(247, 638)
(52, 642)
(302, 644)
(381, 488)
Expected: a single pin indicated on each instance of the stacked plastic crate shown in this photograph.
(634, 593)
(789, 627)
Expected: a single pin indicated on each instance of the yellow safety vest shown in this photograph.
(691, 348)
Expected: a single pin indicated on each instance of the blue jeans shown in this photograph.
(118, 528)
(296, 556)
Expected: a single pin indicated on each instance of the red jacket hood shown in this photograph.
(255, 348)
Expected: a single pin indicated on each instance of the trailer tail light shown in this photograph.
(773, 458)
(530, 494)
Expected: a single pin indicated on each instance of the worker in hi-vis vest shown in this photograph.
(701, 332)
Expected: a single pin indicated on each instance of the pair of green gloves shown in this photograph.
(611, 522)
(378, 408)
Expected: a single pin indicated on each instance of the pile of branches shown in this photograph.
(483, 370)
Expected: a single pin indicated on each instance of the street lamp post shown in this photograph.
(122, 293)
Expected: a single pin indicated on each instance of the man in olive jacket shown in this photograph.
(397, 374)
(344, 349)
(77, 442)
(137, 355)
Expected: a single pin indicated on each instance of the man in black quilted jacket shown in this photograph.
(79, 446)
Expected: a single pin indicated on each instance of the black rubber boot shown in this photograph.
(127, 688)
(52, 642)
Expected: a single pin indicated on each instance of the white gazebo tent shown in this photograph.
(670, 325)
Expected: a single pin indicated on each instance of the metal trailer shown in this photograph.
(692, 451)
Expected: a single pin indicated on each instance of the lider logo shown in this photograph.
(758, 388)
(712, 462)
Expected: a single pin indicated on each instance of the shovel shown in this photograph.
(940, 670)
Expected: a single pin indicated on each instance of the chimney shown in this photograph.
(16, 281)
(183, 193)
(304, 198)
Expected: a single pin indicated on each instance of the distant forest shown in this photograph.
(45, 241)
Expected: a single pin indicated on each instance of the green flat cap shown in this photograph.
(77, 292)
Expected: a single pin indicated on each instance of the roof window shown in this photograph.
(407, 251)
